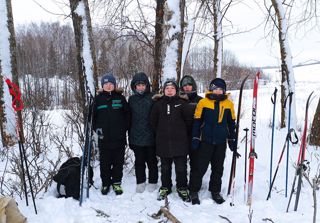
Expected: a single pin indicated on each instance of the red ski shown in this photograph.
(253, 154)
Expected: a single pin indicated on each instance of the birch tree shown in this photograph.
(85, 47)
(8, 65)
(173, 38)
(287, 74)
(217, 27)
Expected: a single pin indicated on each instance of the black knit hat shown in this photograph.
(171, 82)
(218, 83)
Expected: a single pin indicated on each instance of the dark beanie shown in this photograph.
(171, 82)
(108, 78)
(218, 83)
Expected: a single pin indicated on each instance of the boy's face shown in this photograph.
(187, 88)
(170, 91)
(141, 87)
(218, 91)
(108, 87)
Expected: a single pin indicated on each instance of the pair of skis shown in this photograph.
(301, 167)
(252, 153)
(88, 142)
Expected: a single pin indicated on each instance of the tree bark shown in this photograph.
(180, 40)
(315, 128)
(158, 46)
(79, 40)
(7, 137)
(287, 79)
(217, 27)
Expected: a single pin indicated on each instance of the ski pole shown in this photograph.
(273, 100)
(288, 139)
(235, 154)
(245, 163)
(289, 121)
(17, 105)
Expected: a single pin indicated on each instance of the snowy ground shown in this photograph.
(133, 207)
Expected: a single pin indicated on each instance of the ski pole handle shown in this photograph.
(17, 103)
(292, 133)
(290, 99)
(274, 95)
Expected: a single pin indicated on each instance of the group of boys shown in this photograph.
(173, 126)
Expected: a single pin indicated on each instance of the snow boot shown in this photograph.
(163, 193)
(105, 190)
(217, 197)
(194, 198)
(140, 187)
(183, 194)
(117, 188)
(152, 187)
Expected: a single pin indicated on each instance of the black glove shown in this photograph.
(195, 143)
(99, 133)
(232, 143)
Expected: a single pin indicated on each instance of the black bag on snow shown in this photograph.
(69, 176)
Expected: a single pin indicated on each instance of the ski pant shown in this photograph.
(193, 156)
(208, 153)
(111, 164)
(145, 155)
(180, 163)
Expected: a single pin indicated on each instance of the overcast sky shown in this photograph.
(250, 48)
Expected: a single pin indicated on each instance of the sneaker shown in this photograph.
(184, 194)
(105, 190)
(194, 198)
(217, 197)
(117, 188)
(152, 187)
(163, 192)
(140, 187)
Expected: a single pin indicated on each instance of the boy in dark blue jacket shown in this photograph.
(213, 126)
(141, 138)
(111, 121)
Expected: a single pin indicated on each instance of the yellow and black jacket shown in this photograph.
(214, 119)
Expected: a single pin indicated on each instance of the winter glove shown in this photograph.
(232, 143)
(95, 137)
(99, 133)
(195, 143)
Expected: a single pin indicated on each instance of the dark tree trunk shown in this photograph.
(315, 128)
(180, 40)
(158, 46)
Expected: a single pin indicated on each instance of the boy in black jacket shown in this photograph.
(141, 139)
(188, 87)
(170, 122)
(110, 121)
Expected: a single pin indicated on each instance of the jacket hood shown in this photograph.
(187, 79)
(140, 77)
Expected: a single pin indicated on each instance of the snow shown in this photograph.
(133, 207)
(5, 64)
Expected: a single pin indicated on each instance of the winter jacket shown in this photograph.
(214, 120)
(170, 122)
(111, 114)
(193, 98)
(140, 133)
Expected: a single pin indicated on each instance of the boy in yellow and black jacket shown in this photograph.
(214, 124)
